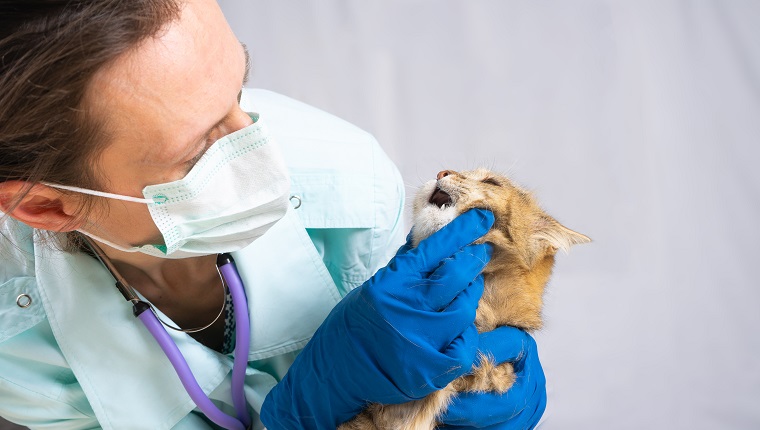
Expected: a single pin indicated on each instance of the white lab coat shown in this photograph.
(77, 358)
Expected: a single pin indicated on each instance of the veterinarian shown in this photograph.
(129, 152)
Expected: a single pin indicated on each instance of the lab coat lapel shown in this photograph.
(109, 350)
(289, 289)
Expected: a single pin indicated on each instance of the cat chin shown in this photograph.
(430, 219)
(427, 217)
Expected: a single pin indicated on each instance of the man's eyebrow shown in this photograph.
(247, 63)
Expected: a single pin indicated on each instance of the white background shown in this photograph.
(636, 123)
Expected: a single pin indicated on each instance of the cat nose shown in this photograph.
(443, 174)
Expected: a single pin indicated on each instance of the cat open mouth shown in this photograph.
(525, 240)
(440, 198)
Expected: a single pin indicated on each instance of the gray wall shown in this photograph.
(634, 122)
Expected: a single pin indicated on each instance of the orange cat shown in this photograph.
(525, 240)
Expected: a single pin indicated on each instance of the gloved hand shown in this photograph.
(406, 332)
(522, 405)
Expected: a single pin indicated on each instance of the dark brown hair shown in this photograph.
(49, 52)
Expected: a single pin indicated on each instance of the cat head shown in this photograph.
(521, 228)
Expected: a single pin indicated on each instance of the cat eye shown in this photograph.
(491, 181)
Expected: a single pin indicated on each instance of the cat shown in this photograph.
(525, 240)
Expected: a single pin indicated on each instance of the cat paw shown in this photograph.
(488, 376)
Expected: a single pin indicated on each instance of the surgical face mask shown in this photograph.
(233, 195)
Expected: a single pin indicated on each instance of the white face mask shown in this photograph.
(237, 190)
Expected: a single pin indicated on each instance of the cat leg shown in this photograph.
(415, 415)
(488, 376)
(435, 405)
(363, 421)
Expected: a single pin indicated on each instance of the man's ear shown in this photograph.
(42, 207)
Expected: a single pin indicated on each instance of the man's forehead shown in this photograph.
(168, 89)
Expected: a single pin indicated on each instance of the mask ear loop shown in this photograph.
(100, 193)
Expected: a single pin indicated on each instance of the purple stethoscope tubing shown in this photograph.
(231, 277)
(242, 334)
(242, 341)
(186, 375)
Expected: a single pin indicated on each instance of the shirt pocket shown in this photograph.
(334, 201)
(20, 306)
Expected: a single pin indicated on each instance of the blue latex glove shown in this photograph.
(406, 332)
(522, 405)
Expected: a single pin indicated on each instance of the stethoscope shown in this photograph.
(226, 267)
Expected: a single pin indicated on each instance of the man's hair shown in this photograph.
(49, 52)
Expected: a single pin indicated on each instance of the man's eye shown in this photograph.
(193, 161)
(210, 139)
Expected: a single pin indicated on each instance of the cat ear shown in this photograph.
(557, 235)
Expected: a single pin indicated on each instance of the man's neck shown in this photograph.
(157, 277)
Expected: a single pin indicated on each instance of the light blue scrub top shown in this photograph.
(76, 357)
